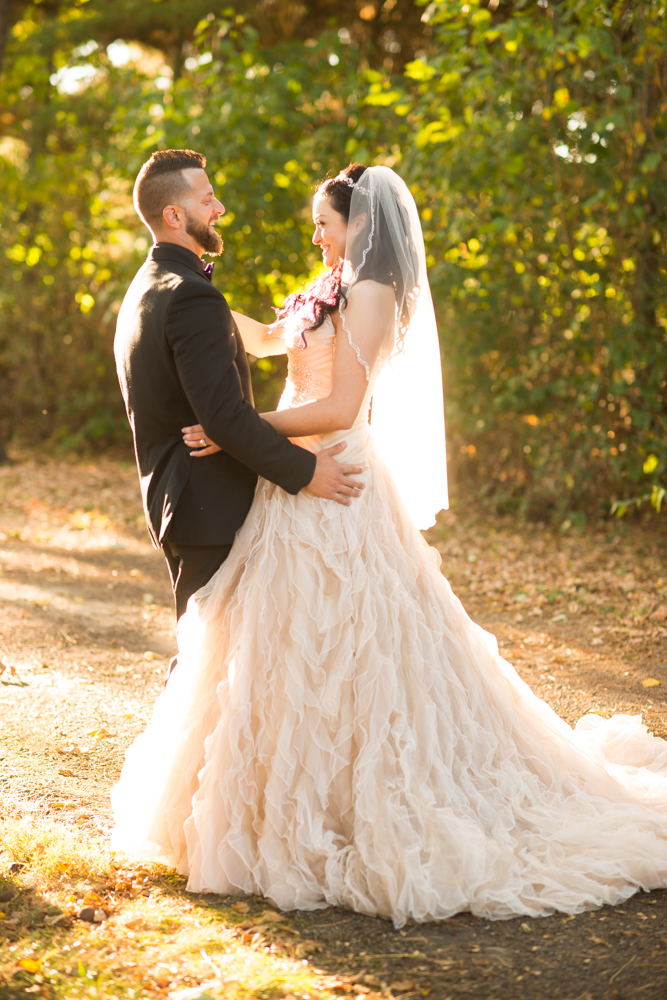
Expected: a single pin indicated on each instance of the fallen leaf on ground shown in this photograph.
(403, 984)
(12, 671)
(73, 748)
(650, 682)
(240, 907)
(91, 899)
(599, 940)
(30, 965)
(52, 921)
(99, 734)
(307, 948)
(148, 655)
(134, 925)
(269, 917)
(67, 772)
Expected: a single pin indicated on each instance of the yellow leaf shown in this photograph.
(30, 965)
(650, 682)
(2, 915)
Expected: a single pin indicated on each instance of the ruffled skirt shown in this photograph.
(339, 732)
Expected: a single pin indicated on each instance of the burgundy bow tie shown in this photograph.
(208, 269)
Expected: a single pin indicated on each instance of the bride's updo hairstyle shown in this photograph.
(324, 296)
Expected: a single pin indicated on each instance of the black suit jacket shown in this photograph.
(180, 361)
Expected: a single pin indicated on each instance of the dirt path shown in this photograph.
(86, 629)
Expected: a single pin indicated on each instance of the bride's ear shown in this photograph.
(357, 224)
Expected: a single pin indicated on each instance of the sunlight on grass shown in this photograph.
(50, 848)
(155, 941)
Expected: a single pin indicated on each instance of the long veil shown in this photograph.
(407, 417)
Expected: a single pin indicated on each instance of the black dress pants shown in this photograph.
(190, 567)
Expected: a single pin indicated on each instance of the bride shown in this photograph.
(338, 731)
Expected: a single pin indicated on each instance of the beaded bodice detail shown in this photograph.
(309, 377)
(310, 367)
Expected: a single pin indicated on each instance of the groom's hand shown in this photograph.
(332, 480)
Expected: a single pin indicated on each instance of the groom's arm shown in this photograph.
(200, 332)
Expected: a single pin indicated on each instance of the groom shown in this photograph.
(180, 362)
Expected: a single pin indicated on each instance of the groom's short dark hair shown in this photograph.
(161, 182)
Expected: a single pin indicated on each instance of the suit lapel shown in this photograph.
(165, 253)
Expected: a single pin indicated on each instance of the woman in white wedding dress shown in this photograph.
(337, 730)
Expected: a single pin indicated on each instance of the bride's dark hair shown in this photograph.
(324, 296)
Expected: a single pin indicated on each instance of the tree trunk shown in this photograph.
(5, 11)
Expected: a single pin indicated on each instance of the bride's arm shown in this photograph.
(370, 317)
(259, 339)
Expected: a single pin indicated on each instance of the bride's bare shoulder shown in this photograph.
(371, 293)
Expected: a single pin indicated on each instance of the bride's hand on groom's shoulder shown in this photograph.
(195, 437)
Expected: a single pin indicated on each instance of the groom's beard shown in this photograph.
(207, 239)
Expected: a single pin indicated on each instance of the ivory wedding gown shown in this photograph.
(338, 731)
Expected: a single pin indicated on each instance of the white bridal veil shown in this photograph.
(407, 418)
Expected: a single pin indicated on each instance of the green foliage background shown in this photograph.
(531, 134)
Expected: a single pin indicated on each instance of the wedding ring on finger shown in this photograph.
(202, 442)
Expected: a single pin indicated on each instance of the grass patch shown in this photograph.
(155, 939)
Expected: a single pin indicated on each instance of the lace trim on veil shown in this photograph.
(341, 311)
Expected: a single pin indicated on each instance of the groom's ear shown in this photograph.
(173, 216)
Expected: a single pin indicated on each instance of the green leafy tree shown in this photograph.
(532, 137)
(539, 132)
(273, 107)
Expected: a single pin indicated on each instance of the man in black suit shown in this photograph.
(180, 362)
